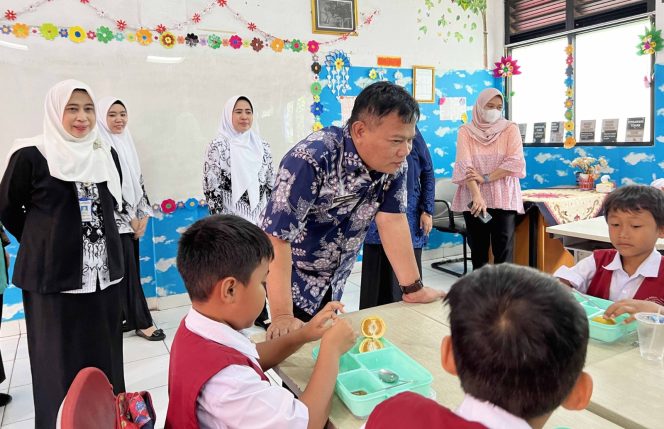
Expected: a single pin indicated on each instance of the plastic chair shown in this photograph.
(445, 220)
(89, 403)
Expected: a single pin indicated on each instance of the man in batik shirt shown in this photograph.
(329, 188)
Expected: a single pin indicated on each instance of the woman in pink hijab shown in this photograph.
(489, 164)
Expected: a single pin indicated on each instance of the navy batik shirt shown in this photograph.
(421, 189)
(322, 203)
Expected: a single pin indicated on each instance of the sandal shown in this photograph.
(157, 335)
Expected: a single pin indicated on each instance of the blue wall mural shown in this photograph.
(545, 167)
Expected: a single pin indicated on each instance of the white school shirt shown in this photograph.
(491, 416)
(622, 286)
(236, 397)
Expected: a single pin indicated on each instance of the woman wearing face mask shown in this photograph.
(57, 198)
(133, 217)
(489, 164)
(238, 173)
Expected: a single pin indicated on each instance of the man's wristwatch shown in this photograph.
(486, 178)
(413, 287)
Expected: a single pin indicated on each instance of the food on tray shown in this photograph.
(359, 392)
(373, 327)
(601, 319)
(370, 344)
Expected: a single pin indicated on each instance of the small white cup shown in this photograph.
(651, 335)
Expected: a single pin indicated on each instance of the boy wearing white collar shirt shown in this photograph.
(518, 345)
(632, 274)
(216, 377)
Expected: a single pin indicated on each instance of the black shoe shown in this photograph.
(157, 335)
(5, 399)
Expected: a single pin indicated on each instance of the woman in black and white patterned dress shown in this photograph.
(238, 174)
(133, 217)
(57, 198)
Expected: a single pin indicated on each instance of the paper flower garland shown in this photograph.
(570, 140)
(337, 65)
(650, 43)
(168, 206)
(316, 88)
(506, 67)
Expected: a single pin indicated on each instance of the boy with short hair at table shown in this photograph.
(518, 345)
(216, 377)
(631, 274)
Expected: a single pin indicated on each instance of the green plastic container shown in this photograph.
(358, 372)
(600, 331)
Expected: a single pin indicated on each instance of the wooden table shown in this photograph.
(588, 235)
(415, 329)
(549, 207)
(629, 390)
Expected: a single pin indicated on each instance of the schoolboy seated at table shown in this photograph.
(216, 376)
(631, 274)
(518, 345)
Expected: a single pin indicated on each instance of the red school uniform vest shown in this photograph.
(194, 360)
(410, 410)
(600, 286)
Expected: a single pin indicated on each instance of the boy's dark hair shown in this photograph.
(217, 247)
(519, 338)
(635, 198)
(382, 98)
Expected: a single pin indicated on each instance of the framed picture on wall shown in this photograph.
(333, 16)
(424, 87)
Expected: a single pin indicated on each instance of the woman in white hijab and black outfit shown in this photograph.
(132, 218)
(57, 197)
(238, 173)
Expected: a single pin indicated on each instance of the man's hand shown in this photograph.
(426, 222)
(323, 320)
(424, 296)
(281, 325)
(631, 306)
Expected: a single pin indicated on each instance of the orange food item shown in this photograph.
(370, 344)
(373, 327)
(601, 319)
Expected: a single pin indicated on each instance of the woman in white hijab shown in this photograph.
(238, 173)
(57, 197)
(132, 218)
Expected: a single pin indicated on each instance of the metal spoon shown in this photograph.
(387, 376)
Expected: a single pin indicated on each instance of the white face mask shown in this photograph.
(491, 115)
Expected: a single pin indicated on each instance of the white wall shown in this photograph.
(174, 109)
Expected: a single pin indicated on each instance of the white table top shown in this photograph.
(595, 229)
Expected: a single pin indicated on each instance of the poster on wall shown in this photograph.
(587, 130)
(539, 132)
(347, 102)
(333, 16)
(522, 130)
(610, 130)
(556, 132)
(424, 88)
(635, 129)
(451, 108)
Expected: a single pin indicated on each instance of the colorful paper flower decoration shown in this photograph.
(316, 109)
(191, 39)
(651, 42)
(202, 203)
(373, 74)
(48, 31)
(144, 36)
(6, 29)
(257, 44)
(316, 88)
(20, 30)
(168, 206)
(506, 67)
(191, 203)
(313, 46)
(235, 42)
(277, 45)
(296, 45)
(315, 67)
(77, 34)
(10, 15)
(317, 126)
(64, 32)
(570, 140)
(167, 39)
(214, 41)
(104, 34)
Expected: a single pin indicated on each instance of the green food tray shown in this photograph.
(600, 331)
(358, 371)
